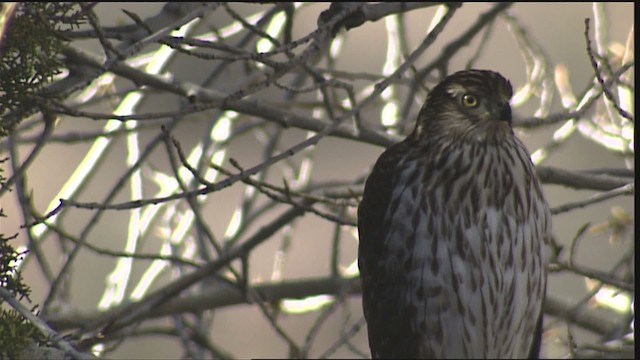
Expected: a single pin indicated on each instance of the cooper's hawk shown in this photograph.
(454, 232)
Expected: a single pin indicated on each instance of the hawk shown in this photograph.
(454, 232)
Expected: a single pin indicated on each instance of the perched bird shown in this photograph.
(454, 232)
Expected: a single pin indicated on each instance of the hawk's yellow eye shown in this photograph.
(469, 100)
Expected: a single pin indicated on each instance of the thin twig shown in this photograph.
(628, 189)
(599, 77)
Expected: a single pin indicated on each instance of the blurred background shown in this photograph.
(540, 47)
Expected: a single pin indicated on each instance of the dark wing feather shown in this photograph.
(534, 353)
(387, 315)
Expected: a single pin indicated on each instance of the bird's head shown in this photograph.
(470, 104)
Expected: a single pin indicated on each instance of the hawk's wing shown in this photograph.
(386, 314)
(534, 353)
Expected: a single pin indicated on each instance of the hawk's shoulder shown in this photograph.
(377, 192)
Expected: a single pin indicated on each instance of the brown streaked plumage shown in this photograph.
(454, 232)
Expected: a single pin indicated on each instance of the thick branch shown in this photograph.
(598, 320)
(580, 180)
